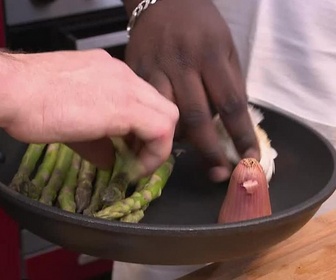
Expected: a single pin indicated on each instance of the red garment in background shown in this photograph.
(9, 248)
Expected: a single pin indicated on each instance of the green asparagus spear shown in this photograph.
(121, 177)
(84, 189)
(66, 197)
(126, 171)
(20, 182)
(55, 183)
(102, 180)
(116, 189)
(137, 215)
(44, 171)
(143, 182)
(139, 199)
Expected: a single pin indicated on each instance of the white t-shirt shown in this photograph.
(287, 50)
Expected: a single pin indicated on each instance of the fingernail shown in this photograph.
(252, 153)
(219, 174)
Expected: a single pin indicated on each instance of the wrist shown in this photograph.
(9, 94)
(130, 5)
(137, 11)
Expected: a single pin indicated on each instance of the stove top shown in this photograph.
(20, 12)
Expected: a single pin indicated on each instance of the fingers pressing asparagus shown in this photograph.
(137, 200)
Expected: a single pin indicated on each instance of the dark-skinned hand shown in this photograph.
(185, 50)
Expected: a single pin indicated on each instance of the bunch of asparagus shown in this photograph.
(55, 175)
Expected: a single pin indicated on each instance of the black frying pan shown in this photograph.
(180, 227)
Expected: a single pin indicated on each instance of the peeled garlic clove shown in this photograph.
(267, 152)
(247, 196)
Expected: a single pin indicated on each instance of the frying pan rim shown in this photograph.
(60, 215)
(161, 229)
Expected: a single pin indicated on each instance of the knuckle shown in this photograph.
(232, 106)
(167, 130)
(183, 61)
(183, 56)
(175, 114)
(194, 117)
(212, 55)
